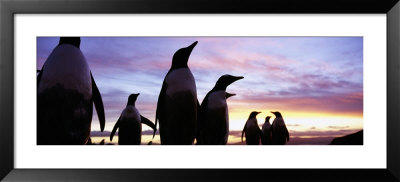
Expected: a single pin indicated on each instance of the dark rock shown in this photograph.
(351, 139)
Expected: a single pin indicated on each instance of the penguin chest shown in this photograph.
(66, 67)
(64, 98)
(216, 120)
(130, 117)
(130, 128)
(180, 81)
(180, 100)
(178, 123)
(217, 108)
(252, 132)
(280, 132)
(278, 124)
(251, 124)
(266, 131)
(266, 128)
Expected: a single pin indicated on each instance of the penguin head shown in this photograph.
(277, 114)
(132, 99)
(181, 57)
(225, 80)
(267, 119)
(253, 114)
(227, 95)
(75, 41)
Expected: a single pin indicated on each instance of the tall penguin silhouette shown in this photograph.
(266, 130)
(251, 130)
(280, 134)
(213, 121)
(130, 124)
(66, 92)
(177, 103)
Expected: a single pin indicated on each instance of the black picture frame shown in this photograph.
(8, 8)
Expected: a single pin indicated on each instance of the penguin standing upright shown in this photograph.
(177, 103)
(266, 130)
(130, 124)
(66, 92)
(199, 135)
(280, 134)
(213, 121)
(251, 129)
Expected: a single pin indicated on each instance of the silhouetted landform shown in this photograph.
(294, 140)
(328, 133)
(102, 142)
(300, 141)
(107, 133)
(351, 139)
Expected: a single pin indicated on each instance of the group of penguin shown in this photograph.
(66, 91)
(275, 134)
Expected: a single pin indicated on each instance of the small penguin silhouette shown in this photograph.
(280, 134)
(251, 130)
(130, 124)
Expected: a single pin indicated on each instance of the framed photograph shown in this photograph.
(271, 73)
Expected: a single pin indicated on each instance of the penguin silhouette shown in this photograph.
(66, 92)
(213, 121)
(280, 134)
(266, 130)
(199, 135)
(130, 124)
(251, 130)
(177, 105)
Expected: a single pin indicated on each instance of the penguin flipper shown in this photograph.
(39, 76)
(116, 126)
(98, 103)
(287, 134)
(244, 129)
(147, 122)
(160, 102)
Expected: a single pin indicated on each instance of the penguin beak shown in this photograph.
(190, 48)
(238, 77)
(229, 95)
(235, 78)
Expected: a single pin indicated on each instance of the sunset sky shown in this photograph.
(315, 82)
